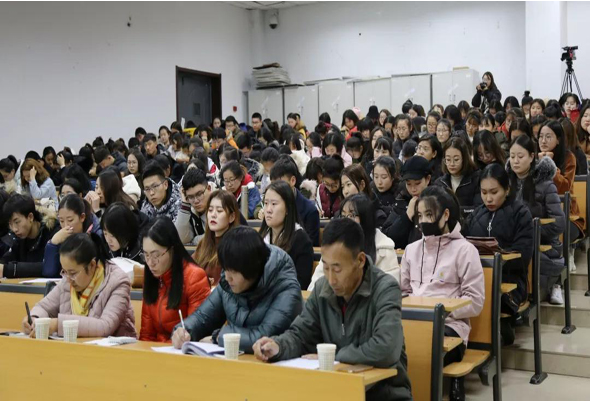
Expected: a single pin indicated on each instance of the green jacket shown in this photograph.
(369, 333)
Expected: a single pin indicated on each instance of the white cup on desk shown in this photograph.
(70, 330)
(326, 353)
(231, 346)
(42, 328)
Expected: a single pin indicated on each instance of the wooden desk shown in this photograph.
(544, 248)
(508, 287)
(547, 221)
(131, 372)
(450, 343)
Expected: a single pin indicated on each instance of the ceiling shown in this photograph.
(268, 5)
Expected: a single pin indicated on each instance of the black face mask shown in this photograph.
(431, 228)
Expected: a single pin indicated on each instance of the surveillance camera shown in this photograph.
(273, 21)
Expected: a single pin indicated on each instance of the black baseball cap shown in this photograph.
(416, 168)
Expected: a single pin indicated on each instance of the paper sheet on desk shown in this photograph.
(40, 280)
(300, 363)
(113, 341)
(167, 349)
(207, 347)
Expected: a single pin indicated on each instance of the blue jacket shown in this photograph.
(51, 258)
(309, 217)
(267, 310)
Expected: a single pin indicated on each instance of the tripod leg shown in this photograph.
(577, 85)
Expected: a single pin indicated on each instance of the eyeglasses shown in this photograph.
(152, 189)
(66, 275)
(546, 138)
(132, 163)
(196, 196)
(452, 161)
(424, 149)
(228, 181)
(154, 256)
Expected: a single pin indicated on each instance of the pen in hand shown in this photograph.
(182, 322)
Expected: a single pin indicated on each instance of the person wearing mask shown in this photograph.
(460, 174)
(222, 215)
(532, 182)
(32, 229)
(377, 246)
(429, 147)
(35, 181)
(173, 283)
(552, 143)
(192, 220)
(234, 178)
(399, 225)
(163, 197)
(354, 288)
(285, 169)
(281, 228)
(121, 231)
(487, 93)
(75, 216)
(93, 292)
(258, 295)
(509, 221)
(329, 192)
(456, 273)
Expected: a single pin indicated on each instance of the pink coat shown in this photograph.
(111, 312)
(446, 266)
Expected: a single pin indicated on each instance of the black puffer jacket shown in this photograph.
(512, 226)
(483, 99)
(398, 226)
(468, 191)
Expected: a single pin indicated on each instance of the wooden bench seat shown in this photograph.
(472, 358)
(451, 342)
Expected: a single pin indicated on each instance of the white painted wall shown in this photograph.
(334, 39)
(72, 71)
(578, 34)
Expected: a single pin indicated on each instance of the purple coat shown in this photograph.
(110, 314)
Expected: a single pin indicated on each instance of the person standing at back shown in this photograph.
(487, 93)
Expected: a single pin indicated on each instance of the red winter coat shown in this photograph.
(157, 321)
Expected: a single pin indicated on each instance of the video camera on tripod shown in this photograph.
(570, 76)
(569, 54)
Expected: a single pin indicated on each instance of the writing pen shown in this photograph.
(29, 319)
(181, 317)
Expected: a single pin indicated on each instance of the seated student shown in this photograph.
(377, 246)
(151, 146)
(232, 131)
(532, 182)
(518, 127)
(353, 287)
(195, 192)
(460, 174)
(298, 153)
(329, 192)
(269, 157)
(443, 131)
(172, 282)
(93, 292)
(486, 150)
(285, 169)
(281, 228)
(552, 143)
(333, 144)
(234, 178)
(385, 183)
(108, 189)
(8, 167)
(163, 197)
(104, 159)
(71, 186)
(35, 181)
(399, 225)
(473, 120)
(509, 221)
(450, 267)
(218, 141)
(314, 145)
(429, 147)
(258, 294)
(253, 168)
(222, 212)
(409, 150)
(121, 231)
(404, 130)
(32, 229)
(355, 148)
(75, 216)
(354, 180)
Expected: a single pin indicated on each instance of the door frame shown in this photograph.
(216, 89)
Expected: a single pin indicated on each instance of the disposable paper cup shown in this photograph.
(70, 330)
(42, 328)
(326, 353)
(231, 344)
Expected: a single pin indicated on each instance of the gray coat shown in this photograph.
(370, 331)
(264, 311)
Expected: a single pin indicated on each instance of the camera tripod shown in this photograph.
(569, 79)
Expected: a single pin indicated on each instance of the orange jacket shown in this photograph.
(564, 183)
(157, 321)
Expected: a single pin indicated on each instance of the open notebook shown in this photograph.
(195, 348)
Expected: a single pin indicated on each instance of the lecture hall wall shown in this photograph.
(72, 71)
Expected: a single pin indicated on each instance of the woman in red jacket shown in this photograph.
(172, 282)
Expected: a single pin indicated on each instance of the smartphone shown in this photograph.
(358, 368)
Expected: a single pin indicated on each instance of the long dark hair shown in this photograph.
(74, 203)
(112, 188)
(581, 133)
(490, 144)
(120, 221)
(528, 187)
(492, 86)
(560, 151)
(468, 167)
(357, 175)
(438, 199)
(286, 236)
(83, 248)
(163, 232)
(364, 209)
